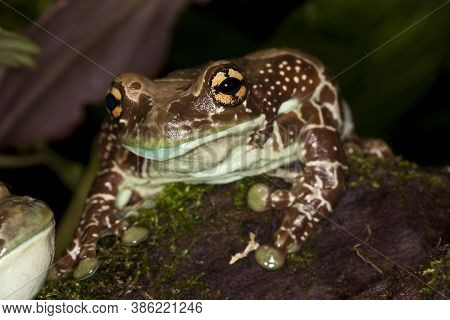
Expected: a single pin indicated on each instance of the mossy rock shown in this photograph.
(400, 210)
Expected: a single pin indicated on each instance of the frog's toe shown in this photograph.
(258, 197)
(86, 268)
(281, 199)
(134, 235)
(269, 257)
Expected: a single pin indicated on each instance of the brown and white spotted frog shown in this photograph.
(215, 124)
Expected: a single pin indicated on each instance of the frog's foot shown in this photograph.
(261, 197)
(296, 226)
(83, 250)
(304, 205)
(368, 146)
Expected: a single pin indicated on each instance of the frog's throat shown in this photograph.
(162, 154)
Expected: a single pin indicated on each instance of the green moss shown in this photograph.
(363, 171)
(304, 257)
(370, 170)
(126, 270)
(174, 213)
(113, 276)
(239, 192)
(436, 273)
(294, 261)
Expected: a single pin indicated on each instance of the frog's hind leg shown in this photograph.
(367, 146)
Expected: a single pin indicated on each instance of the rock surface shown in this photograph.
(387, 239)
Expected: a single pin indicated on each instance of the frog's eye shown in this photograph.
(228, 87)
(112, 102)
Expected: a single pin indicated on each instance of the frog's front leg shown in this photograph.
(314, 192)
(102, 215)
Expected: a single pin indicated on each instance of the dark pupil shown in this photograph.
(111, 101)
(229, 86)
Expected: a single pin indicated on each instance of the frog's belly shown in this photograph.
(238, 162)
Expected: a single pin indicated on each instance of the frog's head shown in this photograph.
(164, 118)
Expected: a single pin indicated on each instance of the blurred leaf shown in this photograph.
(113, 36)
(17, 50)
(392, 80)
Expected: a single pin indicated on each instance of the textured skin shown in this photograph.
(185, 107)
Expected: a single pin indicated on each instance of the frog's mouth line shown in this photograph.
(162, 154)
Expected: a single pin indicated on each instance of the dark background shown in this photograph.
(400, 93)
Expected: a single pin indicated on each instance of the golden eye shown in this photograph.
(112, 102)
(228, 87)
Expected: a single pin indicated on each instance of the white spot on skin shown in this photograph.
(248, 110)
(268, 65)
(261, 71)
(298, 61)
(296, 80)
(334, 148)
(277, 82)
(287, 79)
(303, 89)
(108, 185)
(304, 77)
(272, 87)
(297, 69)
(310, 81)
(269, 70)
(299, 220)
(235, 117)
(266, 80)
(282, 73)
(284, 88)
(288, 68)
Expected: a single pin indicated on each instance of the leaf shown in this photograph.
(17, 50)
(85, 44)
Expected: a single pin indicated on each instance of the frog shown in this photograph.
(26, 244)
(215, 124)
